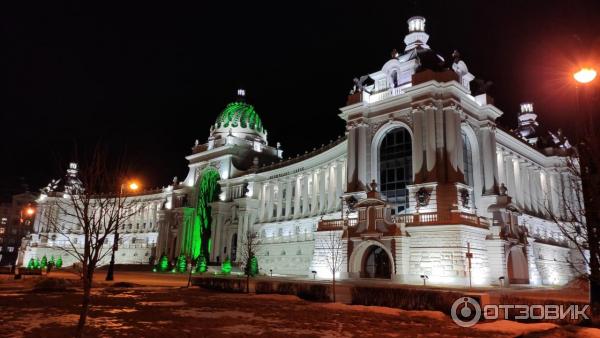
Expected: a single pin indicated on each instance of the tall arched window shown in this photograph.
(395, 165)
(467, 159)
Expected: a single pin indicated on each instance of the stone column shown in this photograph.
(314, 193)
(305, 196)
(430, 145)
(510, 177)
(352, 170)
(418, 144)
(488, 152)
(322, 192)
(280, 187)
(331, 186)
(298, 196)
(363, 160)
(501, 165)
(339, 171)
(288, 197)
(270, 195)
(555, 193)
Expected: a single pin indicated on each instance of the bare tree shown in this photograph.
(91, 208)
(578, 213)
(250, 244)
(332, 247)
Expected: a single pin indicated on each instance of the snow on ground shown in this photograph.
(514, 328)
(436, 315)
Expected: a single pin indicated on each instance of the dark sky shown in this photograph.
(148, 79)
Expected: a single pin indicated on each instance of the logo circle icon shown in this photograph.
(465, 311)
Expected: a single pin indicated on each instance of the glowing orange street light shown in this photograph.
(133, 186)
(585, 75)
(30, 211)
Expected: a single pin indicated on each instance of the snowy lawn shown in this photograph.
(180, 312)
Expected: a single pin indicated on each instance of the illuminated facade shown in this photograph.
(423, 183)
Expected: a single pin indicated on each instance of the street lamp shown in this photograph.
(585, 75)
(29, 211)
(132, 186)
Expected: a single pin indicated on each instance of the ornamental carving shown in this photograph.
(423, 196)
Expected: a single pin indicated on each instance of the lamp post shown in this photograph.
(588, 172)
(132, 186)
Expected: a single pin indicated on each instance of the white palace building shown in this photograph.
(424, 183)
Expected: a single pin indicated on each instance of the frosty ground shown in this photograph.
(167, 309)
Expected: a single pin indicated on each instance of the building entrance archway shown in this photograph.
(517, 267)
(376, 263)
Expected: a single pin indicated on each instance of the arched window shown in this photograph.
(395, 165)
(467, 159)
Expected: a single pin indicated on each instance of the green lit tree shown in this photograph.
(31, 264)
(182, 263)
(52, 261)
(44, 262)
(226, 266)
(37, 264)
(59, 262)
(201, 264)
(208, 192)
(163, 264)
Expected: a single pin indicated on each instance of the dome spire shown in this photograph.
(416, 36)
(241, 95)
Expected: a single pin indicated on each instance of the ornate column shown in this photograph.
(510, 176)
(280, 187)
(298, 196)
(331, 196)
(363, 149)
(517, 182)
(339, 171)
(270, 191)
(488, 142)
(305, 195)
(322, 191)
(314, 192)
(288, 197)
(555, 193)
(501, 166)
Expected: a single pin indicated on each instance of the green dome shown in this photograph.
(239, 115)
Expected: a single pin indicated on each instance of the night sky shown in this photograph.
(148, 79)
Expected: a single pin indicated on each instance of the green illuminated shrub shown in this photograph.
(59, 262)
(181, 263)
(226, 266)
(163, 264)
(201, 264)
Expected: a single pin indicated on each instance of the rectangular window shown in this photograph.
(2, 230)
(11, 248)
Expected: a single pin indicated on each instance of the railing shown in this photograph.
(288, 239)
(435, 218)
(336, 224)
(371, 98)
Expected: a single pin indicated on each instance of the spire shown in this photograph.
(241, 95)
(416, 36)
(527, 123)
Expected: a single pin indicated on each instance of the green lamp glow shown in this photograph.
(226, 266)
(201, 265)
(163, 264)
(182, 263)
(253, 266)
